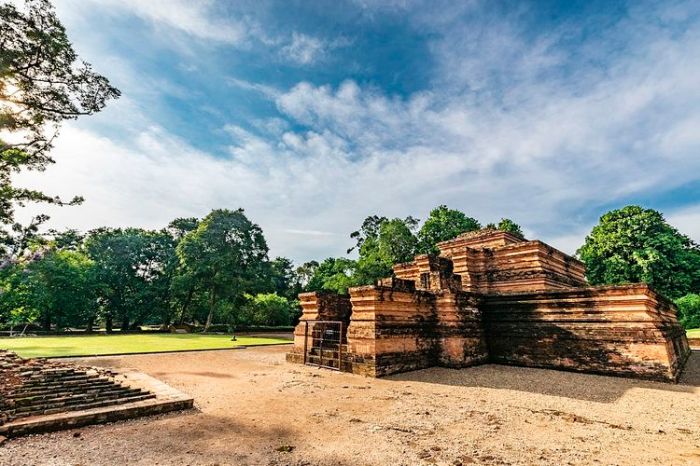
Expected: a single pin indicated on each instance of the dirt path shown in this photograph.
(253, 408)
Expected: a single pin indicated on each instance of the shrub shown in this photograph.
(689, 310)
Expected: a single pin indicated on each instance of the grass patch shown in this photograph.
(93, 345)
(693, 333)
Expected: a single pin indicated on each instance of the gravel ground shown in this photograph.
(253, 408)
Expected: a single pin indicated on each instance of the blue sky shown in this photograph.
(312, 115)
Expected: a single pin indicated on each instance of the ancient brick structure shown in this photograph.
(494, 297)
(37, 395)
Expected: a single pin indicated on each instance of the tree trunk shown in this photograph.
(108, 322)
(125, 324)
(89, 325)
(46, 322)
(211, 310)
(186, 305)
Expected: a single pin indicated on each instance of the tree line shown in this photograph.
(192, 271)
(206, 271)
(217, 269)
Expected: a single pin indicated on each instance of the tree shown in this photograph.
(268, 309)
(394, 242)
(369, 229)
(689, 310)
(41, 85)
(305, 273)
(225, 257)
(63, 289)
(633, 244)
(134, 268)
(441, 225)
(283, 278)
(333, 274)
(510, 226)
(179, 227)
(16, 304)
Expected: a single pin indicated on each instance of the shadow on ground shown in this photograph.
(588, 387)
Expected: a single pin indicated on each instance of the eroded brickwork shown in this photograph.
(494, 297)
(38, 395)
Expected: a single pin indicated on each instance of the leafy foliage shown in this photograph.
(510, 226)
(224, 257)
(633, 244)
(133, 268)
(689, 310)
(269, 309)
(333, 274)
(441, 225)
(41, 85)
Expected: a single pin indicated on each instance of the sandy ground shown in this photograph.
(253, 408)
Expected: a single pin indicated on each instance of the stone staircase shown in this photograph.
(37, 387)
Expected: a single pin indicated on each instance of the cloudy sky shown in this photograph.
(312, 115)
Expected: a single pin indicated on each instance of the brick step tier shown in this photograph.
(71, 398)
(99, 403)
(37, 387)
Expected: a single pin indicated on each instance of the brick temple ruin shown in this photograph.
(492, 297)
(39, 395)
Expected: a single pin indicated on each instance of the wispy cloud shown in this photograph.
(304, 49)
(196, 19)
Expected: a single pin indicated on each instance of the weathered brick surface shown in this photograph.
(622, 330)
(494, 297)
(37, 395)
(317, 306)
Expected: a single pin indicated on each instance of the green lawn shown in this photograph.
(693, 333)
(119, 344)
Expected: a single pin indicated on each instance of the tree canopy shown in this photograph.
(634, 244)
(689, 310)
(224, 258)
(381, 243)
(443, 224)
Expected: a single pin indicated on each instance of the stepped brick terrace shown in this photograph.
(37, 395)
(492, 297)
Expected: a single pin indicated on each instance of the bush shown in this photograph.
(268, 309)
(689, 310)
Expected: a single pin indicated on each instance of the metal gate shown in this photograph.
(323, 343)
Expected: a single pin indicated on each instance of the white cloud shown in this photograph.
(304, 49)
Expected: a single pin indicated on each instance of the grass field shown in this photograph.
(120, 344)
(693, 333)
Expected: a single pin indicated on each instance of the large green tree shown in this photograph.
(134, 268)
(225, 256)
(64, 289)
(333, 274)
(42, 84)
(443, 224)
(55, 287)
(391, 243)
(634, 244)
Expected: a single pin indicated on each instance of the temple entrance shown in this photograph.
(324, 341)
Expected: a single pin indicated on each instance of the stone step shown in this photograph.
(43, 391)
(316, 360)
(51, 378)
(78, 405)
(69, 398)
